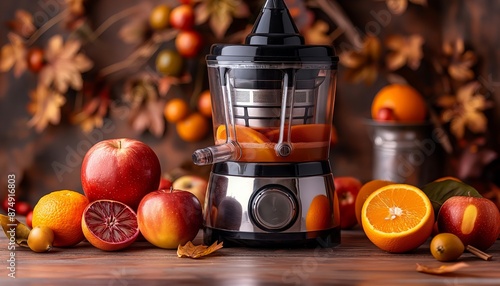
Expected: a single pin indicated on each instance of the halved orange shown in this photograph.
(304, 133)
(243, 134)
(397, 218)
(366, 190)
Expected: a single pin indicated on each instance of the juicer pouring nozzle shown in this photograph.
(229, 151)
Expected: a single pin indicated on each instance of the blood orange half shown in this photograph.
(109, 225)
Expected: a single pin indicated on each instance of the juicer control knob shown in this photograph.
(274, 208)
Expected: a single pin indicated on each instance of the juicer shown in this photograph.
(272, 103)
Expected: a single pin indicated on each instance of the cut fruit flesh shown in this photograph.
(109, 225)
(397, 217)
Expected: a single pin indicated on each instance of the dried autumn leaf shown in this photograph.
(166, 82)
(149, 117)
(220, 14)
(460, 69)
(45, 106)
(443, 269)
(318, 34)
(22, 23)
(196, 251)
(64, 65)
(146, 106)
(397, 6)
(460, 62)
(13, 228)
(363, 65)
(13, 55)
(76, 7)
(465, 110)
(92, 114)
(405, 50)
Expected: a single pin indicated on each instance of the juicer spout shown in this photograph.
(217, 153)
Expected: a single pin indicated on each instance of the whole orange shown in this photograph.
(176, 110)
(205, 104)
(61, 211)
(406, 103)
(193, 128)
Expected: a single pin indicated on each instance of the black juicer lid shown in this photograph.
(274, 38)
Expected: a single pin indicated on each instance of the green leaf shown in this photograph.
(439, 192)
(12, 227)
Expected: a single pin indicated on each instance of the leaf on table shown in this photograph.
(12, 226)
(439, 192)
(196, 251)
(441, 269)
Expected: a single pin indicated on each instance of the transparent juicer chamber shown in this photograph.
(270, 112)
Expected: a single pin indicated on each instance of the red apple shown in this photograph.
(476, 221)
(165, 184)
(22, 208)
(29, 219)
(168, 218)
(385, 114)
(123, 170)
(347, 189)
(188, 43)
(182, 17)
(193, 184)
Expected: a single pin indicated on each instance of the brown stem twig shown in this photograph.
(145, 51)
(479, 253)
(111, 20)
(45, 27)
(337, 14)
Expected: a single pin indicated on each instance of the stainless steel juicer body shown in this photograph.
(272, 103)
(268, 210)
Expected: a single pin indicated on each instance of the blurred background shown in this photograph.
(75, 72)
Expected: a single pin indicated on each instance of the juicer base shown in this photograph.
(322, 238)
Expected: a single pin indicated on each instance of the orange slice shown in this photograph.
(397, 218)
(304, 133)
(243, 134)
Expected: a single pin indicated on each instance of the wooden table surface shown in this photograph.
(355, 262)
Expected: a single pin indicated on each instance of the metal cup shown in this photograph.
(406, 153)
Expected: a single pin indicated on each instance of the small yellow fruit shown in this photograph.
(446, 247)
(41, 239)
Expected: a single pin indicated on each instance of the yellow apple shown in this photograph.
(194, 184)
